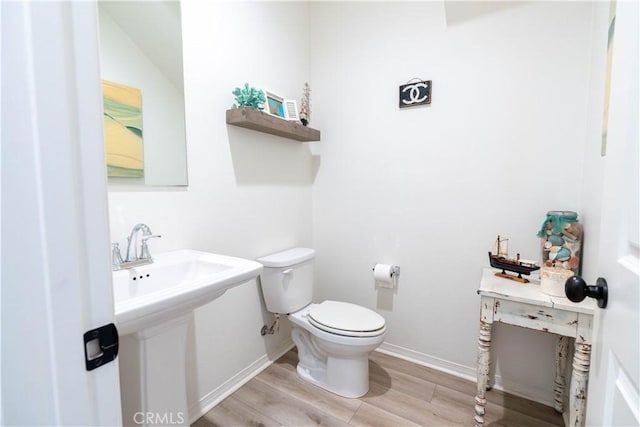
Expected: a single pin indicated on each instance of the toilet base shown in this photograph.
(346, 377)
(339, 367)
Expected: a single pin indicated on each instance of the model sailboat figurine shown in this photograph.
(499, 258)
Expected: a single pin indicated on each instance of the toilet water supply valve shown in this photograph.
(271, 329)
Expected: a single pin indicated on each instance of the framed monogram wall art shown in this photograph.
(416, 93)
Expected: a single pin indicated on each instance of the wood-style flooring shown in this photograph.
(401, 394)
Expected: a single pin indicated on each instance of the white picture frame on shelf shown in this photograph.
(277, 106)
(291, 110)
(274, 104)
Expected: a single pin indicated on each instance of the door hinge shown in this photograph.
(100, 346)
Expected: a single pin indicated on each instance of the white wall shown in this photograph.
(249, 193)
(429, 188)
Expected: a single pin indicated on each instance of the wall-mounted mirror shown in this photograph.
(141, 52)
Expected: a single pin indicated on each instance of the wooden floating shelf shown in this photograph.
(262, 122)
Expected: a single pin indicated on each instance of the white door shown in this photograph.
(56, 279)
(615, 375)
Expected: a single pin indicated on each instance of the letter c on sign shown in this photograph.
(414, 94)
(418, 93)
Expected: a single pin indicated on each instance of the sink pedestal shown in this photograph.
(152, 375)
(153, 306)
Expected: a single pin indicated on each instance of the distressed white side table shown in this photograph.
(523, 304)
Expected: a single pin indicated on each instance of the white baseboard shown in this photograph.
(455, 369)
(211, 399)
(467, 372)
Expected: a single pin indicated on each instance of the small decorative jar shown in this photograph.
(552, 280)
(561, 239)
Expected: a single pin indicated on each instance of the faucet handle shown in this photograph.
(151, 236)
(116, 256)
(144, 250)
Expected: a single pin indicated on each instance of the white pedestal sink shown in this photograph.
(153, 304)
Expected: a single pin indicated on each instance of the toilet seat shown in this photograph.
(346, 319)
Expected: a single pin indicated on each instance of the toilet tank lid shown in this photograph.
(287, 258)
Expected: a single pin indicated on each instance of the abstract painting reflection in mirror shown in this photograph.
(123, 130)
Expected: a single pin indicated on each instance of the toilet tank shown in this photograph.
(287, 280)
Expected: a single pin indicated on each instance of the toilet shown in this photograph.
(333, 338)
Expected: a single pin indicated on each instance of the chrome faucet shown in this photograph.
(135, 258)
(132, 247)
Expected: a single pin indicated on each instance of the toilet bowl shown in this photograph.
(338, 362)
(333, 338)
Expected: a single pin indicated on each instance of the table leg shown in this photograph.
(579, 379)
(484, 355)
(559, 384)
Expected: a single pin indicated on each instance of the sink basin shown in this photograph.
(176, 283)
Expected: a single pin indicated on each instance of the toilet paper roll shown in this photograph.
(382, 273)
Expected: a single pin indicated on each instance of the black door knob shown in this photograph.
(576, 289)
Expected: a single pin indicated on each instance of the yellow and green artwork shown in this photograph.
(123, 130)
